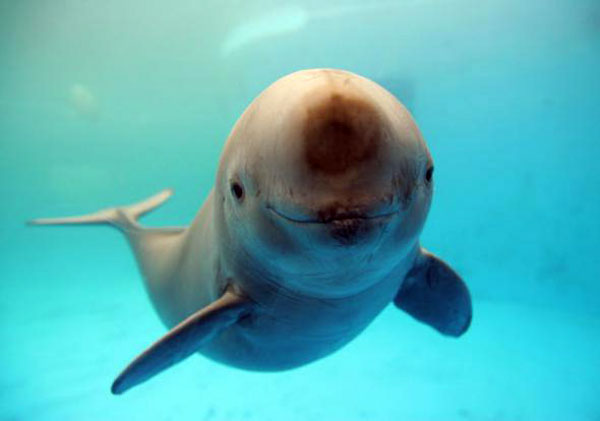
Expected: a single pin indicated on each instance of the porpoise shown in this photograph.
(310, 231)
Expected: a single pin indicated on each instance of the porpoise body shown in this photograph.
(311, 230)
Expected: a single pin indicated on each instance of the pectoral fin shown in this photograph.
(183, 340)
(435, 294)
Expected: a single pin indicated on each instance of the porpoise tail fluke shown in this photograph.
(122, 217)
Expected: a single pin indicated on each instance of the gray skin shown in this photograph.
(315, 289)
(311, 230)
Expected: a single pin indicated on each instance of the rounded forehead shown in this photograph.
(293, 93)
(289, 114)
(292, 97)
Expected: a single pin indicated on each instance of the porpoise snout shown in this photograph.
(373, 209)
(337, 210)
(338, 223)
(349, 226)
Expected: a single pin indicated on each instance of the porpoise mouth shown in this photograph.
(335, 216)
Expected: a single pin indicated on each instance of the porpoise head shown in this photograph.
(326, 181)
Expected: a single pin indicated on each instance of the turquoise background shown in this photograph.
(107, 102)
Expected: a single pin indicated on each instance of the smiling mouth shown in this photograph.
(342, 217)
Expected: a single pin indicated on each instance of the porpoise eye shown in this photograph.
(237, 191)
(429, 174)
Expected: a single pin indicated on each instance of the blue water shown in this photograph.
(107, 102)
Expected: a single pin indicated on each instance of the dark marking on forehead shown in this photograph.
(340, 133)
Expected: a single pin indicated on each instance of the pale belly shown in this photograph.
(269, 345)
(284, 330)
(292, 334)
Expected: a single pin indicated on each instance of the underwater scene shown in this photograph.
(107, 103)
